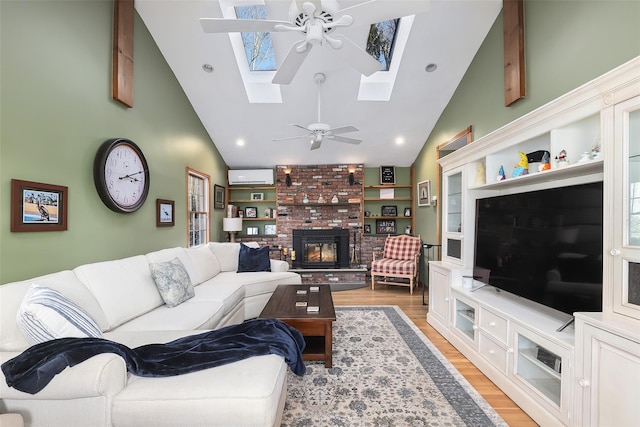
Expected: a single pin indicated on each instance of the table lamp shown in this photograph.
(231, 226)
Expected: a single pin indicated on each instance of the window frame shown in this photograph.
(197, 208)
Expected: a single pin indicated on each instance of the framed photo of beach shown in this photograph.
(36, 206)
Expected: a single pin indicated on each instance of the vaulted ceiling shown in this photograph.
(393, 131)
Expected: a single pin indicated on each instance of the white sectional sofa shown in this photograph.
(122, 298)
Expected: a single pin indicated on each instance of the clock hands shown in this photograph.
(130, 176)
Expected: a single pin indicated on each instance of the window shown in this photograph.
(257, 46)
(197, 207)
(382, 37)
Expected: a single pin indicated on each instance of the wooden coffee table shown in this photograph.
(316, 327)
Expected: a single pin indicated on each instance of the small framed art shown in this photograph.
(38, 207)
(367, 229)
(424, 193)
(389, 211)
(252, 231)
(386, 226)
(165, 211)
(270, 229)
(218, 196)
(257, 196)
(407, 211)
(387, 174)
(251, 212)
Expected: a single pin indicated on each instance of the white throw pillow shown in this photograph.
(45, 314)
(173, 281)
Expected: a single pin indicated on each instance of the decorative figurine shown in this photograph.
(522, 168)
(334, 199)
(595, 152)
(481, 174)
(501, 176)
(561, 159)
(321, 199)
(586, 156)
(305, 199)
(545, 162)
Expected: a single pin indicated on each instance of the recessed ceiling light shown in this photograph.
(207, 68)
(430, 68)
(240, 142)
(399, 140)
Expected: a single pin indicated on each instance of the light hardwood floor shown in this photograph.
(413, 308)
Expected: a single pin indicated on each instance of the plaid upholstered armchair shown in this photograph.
(399, 263)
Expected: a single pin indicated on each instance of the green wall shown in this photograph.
(567, 43)
(56, 110)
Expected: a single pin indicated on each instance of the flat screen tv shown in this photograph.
(544, 245)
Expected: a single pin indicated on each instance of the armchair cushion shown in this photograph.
(401, 247)
(393, 267)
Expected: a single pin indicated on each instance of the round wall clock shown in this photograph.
(121, 175)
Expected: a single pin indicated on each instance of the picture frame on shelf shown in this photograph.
(388, 210)
(165, 213)
(251, 212)
(387, 174)
(257, 196)
(218, 196)
(386, 226)
(407, 211)
(36, 206)
(270, 229)
(367, 229)
(424, 193)
(252, 231)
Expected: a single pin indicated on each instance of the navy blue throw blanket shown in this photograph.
(34, 368)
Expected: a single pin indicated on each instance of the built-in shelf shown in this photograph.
(315, 204)
(395, 199)
(252, 201)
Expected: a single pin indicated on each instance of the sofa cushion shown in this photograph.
(173, 281)
(12, 294)
(227, 254)
(45, 314)
(191, 314)
(124, 288)
(203, 262)
(253, 259)
(230, 293)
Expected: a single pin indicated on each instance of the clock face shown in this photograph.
(121, 175)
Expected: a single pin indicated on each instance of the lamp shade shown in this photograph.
(232, 224)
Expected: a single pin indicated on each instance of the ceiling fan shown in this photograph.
(318, 131)
(317, 25)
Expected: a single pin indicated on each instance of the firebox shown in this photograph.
(321, 248)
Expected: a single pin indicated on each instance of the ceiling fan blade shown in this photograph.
(358, 58)
(345, 139)
(303, 127)
(330, 6)
(290, 65)
(290, 137)
(315, 144)
(222, 25)
(344, 129)
(371, 12)
(294, 11)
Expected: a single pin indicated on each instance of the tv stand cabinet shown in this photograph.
(587, 373)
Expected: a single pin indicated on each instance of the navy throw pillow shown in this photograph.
(253, 259)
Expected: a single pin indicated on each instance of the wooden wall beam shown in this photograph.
(122, 72)
(513, 33)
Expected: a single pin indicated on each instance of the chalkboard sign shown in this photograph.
(387, 174)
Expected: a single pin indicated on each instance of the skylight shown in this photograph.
(382, 37)
(257, 46)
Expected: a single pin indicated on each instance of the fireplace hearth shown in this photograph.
(321, 248)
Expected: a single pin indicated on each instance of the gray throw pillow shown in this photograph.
(173, 281)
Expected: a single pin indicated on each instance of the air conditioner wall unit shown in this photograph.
(251, 177)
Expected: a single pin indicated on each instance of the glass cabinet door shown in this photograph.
(626, 249)
(453, 218)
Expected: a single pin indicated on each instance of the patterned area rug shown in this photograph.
(385, 373)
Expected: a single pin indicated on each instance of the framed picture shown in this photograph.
(165, 211)
(218, 196)
(387, 174)
(386, 226)
(252, 231)
(389, 211)
(407, 211)
(38, 207)
(251, 212)
(269, 229)
(424, 193)
(257, 196)
(367, 229)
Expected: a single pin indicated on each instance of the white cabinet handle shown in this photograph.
(583, 383)
(492, 323)
(615, 252)
(475, 327)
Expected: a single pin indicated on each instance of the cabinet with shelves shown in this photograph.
(452, 236)
(260, 199)
(381, 201)
(464, 318)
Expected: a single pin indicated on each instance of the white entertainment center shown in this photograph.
(588, 374)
